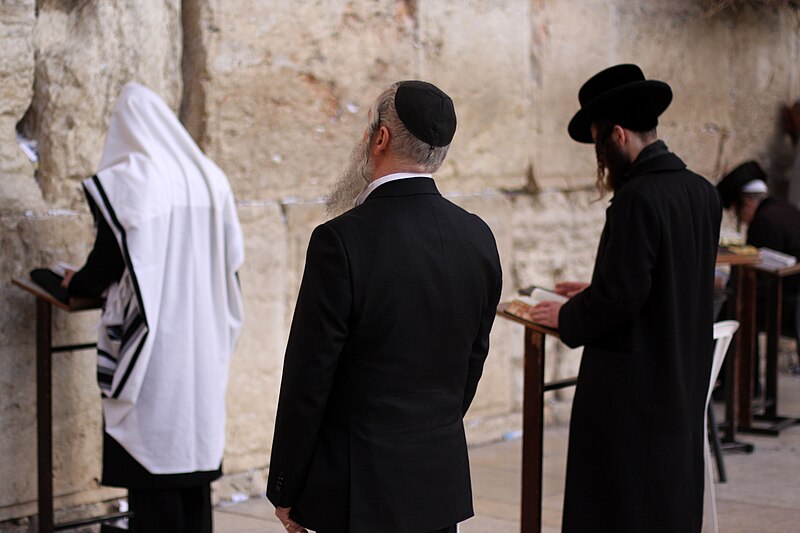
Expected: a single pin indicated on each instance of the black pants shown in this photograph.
(183, 510)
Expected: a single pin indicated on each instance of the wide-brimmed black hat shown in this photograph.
(731, 185)
(426, 111)
(620, 94)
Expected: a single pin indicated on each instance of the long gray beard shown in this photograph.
(353, 180)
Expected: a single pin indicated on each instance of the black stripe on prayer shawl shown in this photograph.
(106, 354)
(105, 371)
(127, 258)
(138, 321)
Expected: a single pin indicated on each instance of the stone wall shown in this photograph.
(277, 93)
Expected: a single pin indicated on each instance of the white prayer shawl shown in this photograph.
(171, 323)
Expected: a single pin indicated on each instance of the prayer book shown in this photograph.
(50, 280)
(522, 305)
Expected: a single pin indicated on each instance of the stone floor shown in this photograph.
(762, 494)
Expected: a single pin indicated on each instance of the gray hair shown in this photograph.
(408, 148)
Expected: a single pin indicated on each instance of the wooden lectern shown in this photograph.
(44, 399)
(738, 366)
(770, 423)
(533, 418)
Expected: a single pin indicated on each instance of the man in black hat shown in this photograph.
(388, 340)
(771, 223)
(635, 460)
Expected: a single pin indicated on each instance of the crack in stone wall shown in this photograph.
(194, 71)
(84, 52)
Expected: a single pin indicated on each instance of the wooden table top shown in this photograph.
(74, 304)
(501, 311)
(726, 257)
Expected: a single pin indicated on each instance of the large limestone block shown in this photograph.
(277, 237)
(765, 76)
(556, 235)
(86, 52)
(301, 219)
(19, 190)
(698, 70)
(289, 87)
(555, 239)
(255, 372)
(477, 52)
(727, 84)
(703, 149)
(28, 242)
(569, 42)
(698, 122)
(494, 396)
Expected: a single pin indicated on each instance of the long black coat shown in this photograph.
(386, 348)
(776, 225)
(635, 461)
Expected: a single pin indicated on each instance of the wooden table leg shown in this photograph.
(532, 432)
(771, 423)
(44, 415)
(742, 348)
(745, 349)
(774, 328)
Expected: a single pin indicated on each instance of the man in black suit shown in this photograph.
(635, 460)
(388, 340)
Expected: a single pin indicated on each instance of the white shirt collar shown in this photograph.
(386, 179)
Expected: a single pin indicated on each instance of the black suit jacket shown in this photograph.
(387, 345)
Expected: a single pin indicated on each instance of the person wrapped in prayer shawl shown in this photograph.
(166, 254)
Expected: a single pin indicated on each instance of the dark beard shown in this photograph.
(612, 165)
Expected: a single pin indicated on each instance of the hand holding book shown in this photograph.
(542, 305)
(546, 313)
(53, 280)
(570, 288)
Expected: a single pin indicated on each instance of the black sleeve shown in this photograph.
(318, 333)
(764, 233)
(625, 274)
(480, 346)
(103, 266)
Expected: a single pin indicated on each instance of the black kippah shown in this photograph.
(426, 111)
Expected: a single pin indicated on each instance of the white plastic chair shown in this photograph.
(723, 334)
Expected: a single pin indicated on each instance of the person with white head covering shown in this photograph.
(771, 223)
(743, 189)
(166, 256)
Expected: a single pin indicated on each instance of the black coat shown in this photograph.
(776, 225)
(635, 461)
(386, 348)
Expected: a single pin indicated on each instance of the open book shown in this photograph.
(775, 259)
(522, 305)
